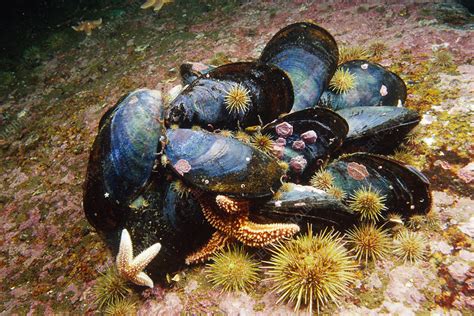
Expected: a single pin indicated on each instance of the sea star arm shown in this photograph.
(217, 242)
(231, 206)
(132, 268)
(148, 4)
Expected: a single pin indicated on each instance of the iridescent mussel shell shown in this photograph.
(306, 139)
(191, 71)
(406, 190)
(309, 55)
(238, 94)
(377, 129)
(372, 85)
(306, 205)
(222, 165)
(122, 158)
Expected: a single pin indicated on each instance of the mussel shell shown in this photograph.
(309, 55)
(374, 86)
(191, 71)
(330, 128)
(377, 129)
(122, 157)
(175, 221)
(203, 102)
(305, 205)
(406, 189)
(222, 165)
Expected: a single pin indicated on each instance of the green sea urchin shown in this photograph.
(416, 222)
(122, 307)
(237, 99)
(369, 242)
(263, 143)
(311, 269)
(322, 180)
(110, 288)
(409, 246)
(347, 53)
(368, 202)
(336, 192)
(342, 81)
(179, 187)
(243, 136)
(233, 270)
(442, 58)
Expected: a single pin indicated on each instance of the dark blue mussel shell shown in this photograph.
(330, 129)
(309, 55)
(406, 189)
(191, 71)
(374, 85)
(305, 205)
(222, 165)
(204, 102)
(122, 158)
(161, 215)
(377, 129)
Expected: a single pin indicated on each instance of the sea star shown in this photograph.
(231, 219)
(88, 26)
(156, 4)
(132, 268)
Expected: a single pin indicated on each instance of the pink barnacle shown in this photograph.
(383, 90)
(284, 129)
(280, 142)
(357, 171)
(298, 163)
(278, 151)
(298, 145)
(309, 137)
(182, 166)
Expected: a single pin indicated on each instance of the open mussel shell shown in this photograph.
(161, 214)
(122, 158)
(372, 85)
(377, 129)
(305, 205)
(309, 55)
(191, 71)
(222, 165)
(406, 190)
(238, 94)
(308, 138)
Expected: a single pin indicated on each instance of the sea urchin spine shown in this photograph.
(342, 81)
(237, 99)
(369, 242)
(368, 202)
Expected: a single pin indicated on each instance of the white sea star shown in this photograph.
(132, 268)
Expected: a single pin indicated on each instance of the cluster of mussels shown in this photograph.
(254, 151)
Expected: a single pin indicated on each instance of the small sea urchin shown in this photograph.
(311, 270)
(442, 58)
(342, 81)
(121, 308)
(179, 187)
(233, 270)
(237, 99)
(263, 142)
(416, 222)
(347, 53)
(369, 242)
(336, 192)
(368, 202)
(243, 136)
(110, 288)
(322, 180)
(377, 48)
(409, 246)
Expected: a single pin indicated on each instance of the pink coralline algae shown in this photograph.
(284, 129)
(278, 151)
(357, 171)
(309, 137)
(298, 145)
(182, 166)
(466, 173)
(280, 142)
(298, 163)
